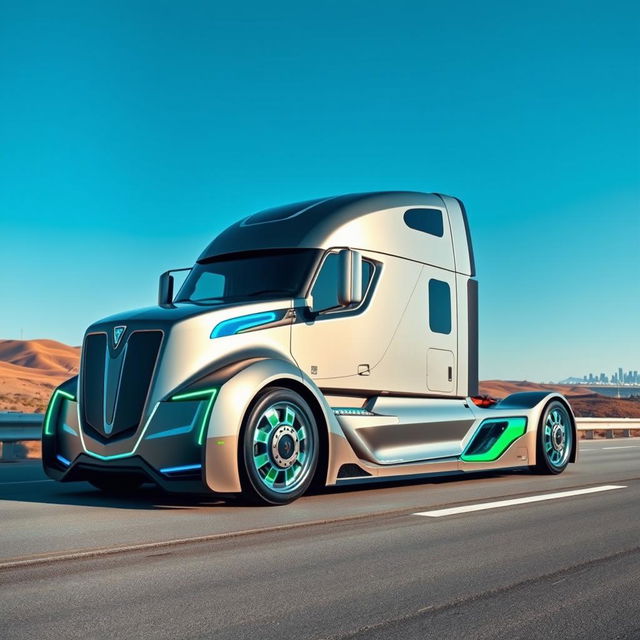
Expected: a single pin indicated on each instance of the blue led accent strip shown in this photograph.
(242, 323)
(176, 431)
(186, 467)
(64, 461)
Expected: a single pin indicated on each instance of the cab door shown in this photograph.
(334, 343)
(441, 330)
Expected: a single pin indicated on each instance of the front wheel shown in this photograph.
(279, 452)
(555, 439)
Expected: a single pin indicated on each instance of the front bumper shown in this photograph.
(167, 450)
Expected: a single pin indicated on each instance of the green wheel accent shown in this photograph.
(289, 416)
(270, 478)
(282, 447)
(261, 460)
(493, 448)
(272, 416)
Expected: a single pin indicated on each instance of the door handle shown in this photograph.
(450, 371)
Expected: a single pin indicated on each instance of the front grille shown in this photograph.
(115, 383)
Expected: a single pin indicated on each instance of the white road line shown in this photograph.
(626, 446)
(24, 481)
(438, 513)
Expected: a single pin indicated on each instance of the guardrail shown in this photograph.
(16, 428)
(609, 425)
(25, 427)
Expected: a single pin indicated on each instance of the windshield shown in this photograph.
(257, 275)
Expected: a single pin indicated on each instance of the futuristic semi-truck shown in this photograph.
(324, 342)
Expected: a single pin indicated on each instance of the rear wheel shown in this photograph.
(280, 448)
(555, 439)
(117, 485)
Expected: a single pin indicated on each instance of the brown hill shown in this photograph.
(585, 403)
(30, 369)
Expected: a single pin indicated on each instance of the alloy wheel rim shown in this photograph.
(283, 447)
(557, 438)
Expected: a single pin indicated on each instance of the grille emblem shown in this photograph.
(117, 334)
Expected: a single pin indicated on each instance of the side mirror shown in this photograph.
(165, 289)
(349, 277)
(167, 286)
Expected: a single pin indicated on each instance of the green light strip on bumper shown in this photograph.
(516, 427)
(206, 394)
(48, 431)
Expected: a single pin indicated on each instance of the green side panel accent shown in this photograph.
(516, 428)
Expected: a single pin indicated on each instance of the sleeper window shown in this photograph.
(426, 220)
(439, 306)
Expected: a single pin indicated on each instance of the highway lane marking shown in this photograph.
(101, 552)
(438, 513)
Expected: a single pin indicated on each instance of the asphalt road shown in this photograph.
(339, 564)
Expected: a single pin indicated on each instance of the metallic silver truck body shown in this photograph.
(164, 393)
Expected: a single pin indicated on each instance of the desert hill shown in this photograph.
(502, 388)
(31, 369)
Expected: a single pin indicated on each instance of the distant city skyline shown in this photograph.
(131, 137)
(618, 377)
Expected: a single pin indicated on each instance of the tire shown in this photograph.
(117, 485)
(279, 448)
(555, 440)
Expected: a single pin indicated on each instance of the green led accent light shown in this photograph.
(516, 428)
(205, 394)
(51, 409)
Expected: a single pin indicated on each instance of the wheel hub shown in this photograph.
(558, 437)
(285, 446)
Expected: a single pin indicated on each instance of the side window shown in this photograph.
(325, 288)
(439, 306)
(426, 220)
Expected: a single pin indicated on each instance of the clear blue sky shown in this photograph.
(132, 132)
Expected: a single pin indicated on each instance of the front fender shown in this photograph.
(231, 404)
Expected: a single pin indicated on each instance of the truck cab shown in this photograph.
(328, 341)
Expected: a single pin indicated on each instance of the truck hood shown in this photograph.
(189, 347)
(163, 317)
